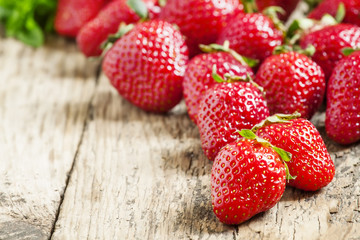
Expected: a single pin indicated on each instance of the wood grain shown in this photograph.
(144, 176)
(44, 99)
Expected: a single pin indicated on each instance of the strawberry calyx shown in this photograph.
(162, 3)
(349, 51)
(211, 48)
(284, 155)
(308, 51)
(272, 12)
(276, 118)
(312, 4)
(112, 38)
(249, 6)
(139, 8)
(301, 27)
(231, 78)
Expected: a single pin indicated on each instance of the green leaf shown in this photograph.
(248, 134)
(139, 8)
(340, 13)
(285, 156)
(216, 76)
(349, 51)
(28, 20)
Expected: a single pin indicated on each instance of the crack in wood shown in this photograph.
(89, 113)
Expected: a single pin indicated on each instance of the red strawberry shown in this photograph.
(107, 22)
(328, 43)
(71, 15)
(352, 8)
(343, 107)
(287, 5)
(310, 162)
(246, 178)
(147, 66)
(198, 76)
(226, 108)
(293, 82)
(252, 35)
(200, 21)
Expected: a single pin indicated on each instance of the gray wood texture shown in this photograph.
(79, 162)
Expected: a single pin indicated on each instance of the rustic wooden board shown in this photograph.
(133, 175)
(144, 176)
(44, 100)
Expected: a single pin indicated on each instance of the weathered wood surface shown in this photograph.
(132, 175)
(44, 100)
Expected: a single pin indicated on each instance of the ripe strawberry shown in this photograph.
(199, 20)
(352, 8)
(71, 15)
(310, 163)
(251, 35)
(287, 5)
(343, 107)
(226, 108)
(328, 43)
(293, 82)
(246, 178)
(198, 76)
(107, 22)
(147, 66)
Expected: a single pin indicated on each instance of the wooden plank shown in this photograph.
(44, 100)
(138, 176)
(144, 176)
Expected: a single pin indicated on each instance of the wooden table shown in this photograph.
(79, 162)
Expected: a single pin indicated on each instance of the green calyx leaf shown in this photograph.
(230, 78)
(123, 30)
(284, 155)
(211, 48)
(272, 13)
(296, 28)
(216, 76)
(328, 20)
(139, 8)
(162, 3)
(276, 118)
(349, 51)
(340, 13)
(249, 6)
(312, 3)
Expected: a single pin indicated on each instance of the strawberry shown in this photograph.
(107, 22)
(310, 163)
(198, 76)
(252, 35)
(200, 21)
(342, 122)
(293, 82)
(247, 178)
(147, 66)
(71, 15)
(328, 43)
(226, 108)
(287, 5)
(352, 8)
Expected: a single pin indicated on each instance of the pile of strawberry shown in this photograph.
(249, 84)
